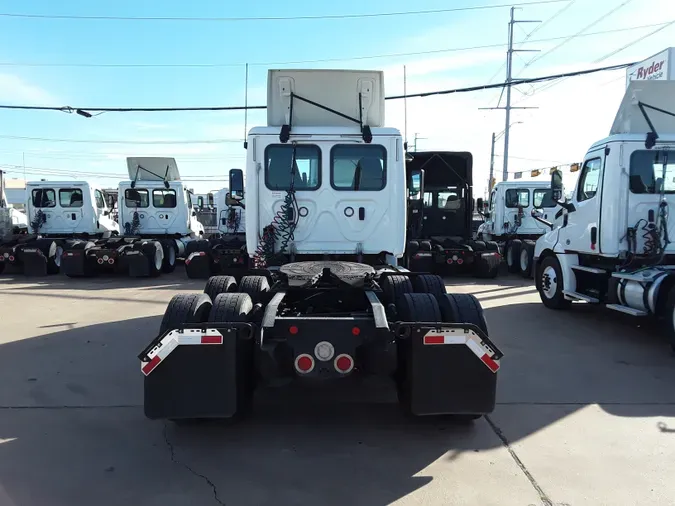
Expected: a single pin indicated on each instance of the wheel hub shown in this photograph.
(549, 282)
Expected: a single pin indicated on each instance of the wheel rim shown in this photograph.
(524, 260)
(158, 258)
(57, 256)
(549, 283)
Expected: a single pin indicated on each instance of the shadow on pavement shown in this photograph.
(72, 429)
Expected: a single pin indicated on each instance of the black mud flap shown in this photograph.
(199, 372)
(198, 265)
(137, 263)
(73, 263)
(34, 262)
(451, 368)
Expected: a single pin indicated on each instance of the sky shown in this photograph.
(53, 61)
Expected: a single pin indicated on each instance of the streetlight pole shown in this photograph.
(492, 163)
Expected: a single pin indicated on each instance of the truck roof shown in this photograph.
(663, 139)
(63, 184)
(325, 131)
(520, 183)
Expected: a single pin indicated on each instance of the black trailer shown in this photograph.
(316, 322)
(440, 217)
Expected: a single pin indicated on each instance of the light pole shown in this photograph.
(495, 138)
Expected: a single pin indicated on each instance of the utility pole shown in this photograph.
(509, 79)
(492, 164)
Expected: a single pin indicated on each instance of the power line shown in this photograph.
(109, 141)
(323, 60)
(272, 18)
(85, 111)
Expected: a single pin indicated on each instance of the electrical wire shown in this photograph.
(481, 87)
(324, 60)
(273, 18)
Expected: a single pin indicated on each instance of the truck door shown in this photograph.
(651, 172)
(581, 232)
(62, 209)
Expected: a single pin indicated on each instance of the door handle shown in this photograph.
(362, 213)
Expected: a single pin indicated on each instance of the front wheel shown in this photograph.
(549, 283)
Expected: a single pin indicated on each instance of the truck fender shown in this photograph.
(566, 260)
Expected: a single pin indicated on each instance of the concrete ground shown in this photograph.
(586, 415)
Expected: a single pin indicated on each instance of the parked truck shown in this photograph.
(327, 299)
(156, 222)
(224, 251)
(440, 217)
(509, 221)
(611, 243)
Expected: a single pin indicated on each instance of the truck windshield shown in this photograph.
(647, 171)
(306, 171)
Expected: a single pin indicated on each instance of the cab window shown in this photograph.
(305, 173)
(100, 201)
(71, 197)
(163, 199)
(543, 198)
(647, 171)
(517, 197)
(361, 167)
(450, 199)
(589, 180)
(43, 197)
(133, 197)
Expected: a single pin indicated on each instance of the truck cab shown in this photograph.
(613, 242)
(63, 208)
(154, 201)
(326, 180)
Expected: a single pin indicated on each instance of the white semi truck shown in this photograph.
(612, 241)
(327, 301)
(224, 251)
(509, 221)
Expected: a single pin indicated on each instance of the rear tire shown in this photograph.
(170, 254)
(513, 255)
(526, 259)
(254, 286)
(669, 318)
(185, 308)
(549, 283)
(231, 307)
(220, 284)
(463, 308)
(395, 286)
(429, 283)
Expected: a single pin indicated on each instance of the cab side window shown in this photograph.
(589, 180)
(100, 201)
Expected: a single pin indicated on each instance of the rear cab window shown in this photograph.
(164, 199)
(450, 199)
(135, 197)
(647, 174)
(43, 197)
(360, 167)
(71, 197)
(543, 199)
(306, 173)
(517, 197)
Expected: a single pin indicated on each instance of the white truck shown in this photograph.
(156, 222)
(326, 225)
(509, 221)
(60, 214)
(224, 251)
(612, 241)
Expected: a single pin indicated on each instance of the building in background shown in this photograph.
(15, 189)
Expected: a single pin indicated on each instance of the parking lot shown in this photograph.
(585, 415)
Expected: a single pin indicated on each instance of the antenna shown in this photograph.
(246, 109)
(405, 111)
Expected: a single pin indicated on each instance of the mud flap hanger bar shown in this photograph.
(143, 356)
(405, 330)
(285, 133)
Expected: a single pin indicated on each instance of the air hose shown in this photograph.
(282, 227)
(38, 221)
(133, 227)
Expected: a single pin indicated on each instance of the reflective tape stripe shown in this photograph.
(177, 338)
(468, 338)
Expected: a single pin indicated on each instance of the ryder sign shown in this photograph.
(660, 67)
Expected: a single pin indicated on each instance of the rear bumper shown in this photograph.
(439, 369)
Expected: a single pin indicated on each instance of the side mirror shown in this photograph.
(557, 186)
(480, 204)
(236, 184)
(106, 213)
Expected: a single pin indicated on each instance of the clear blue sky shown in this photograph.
(152, 42)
